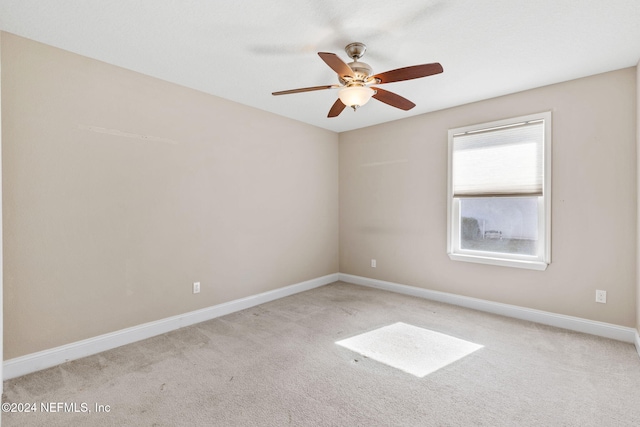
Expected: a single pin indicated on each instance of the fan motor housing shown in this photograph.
(361, 72)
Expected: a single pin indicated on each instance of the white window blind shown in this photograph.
(506, 161)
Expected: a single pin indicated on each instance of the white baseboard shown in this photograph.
(23, 365)
(29, 363)
(592, 327)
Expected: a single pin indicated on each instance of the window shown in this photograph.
(499, 208)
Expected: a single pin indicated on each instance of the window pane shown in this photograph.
(499, 224)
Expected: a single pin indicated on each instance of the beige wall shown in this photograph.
(638, 196)
(393, 201)
(120, 190)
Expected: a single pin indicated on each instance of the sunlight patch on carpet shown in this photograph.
(411, 349)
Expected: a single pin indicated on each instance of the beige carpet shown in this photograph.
(278, 364)
(416, 351)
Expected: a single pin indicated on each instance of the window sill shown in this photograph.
(530, 265)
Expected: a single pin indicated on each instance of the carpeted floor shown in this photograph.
(278, 364)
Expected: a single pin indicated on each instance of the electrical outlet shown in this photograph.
(373, 263)
(601, 297)
(196, 287)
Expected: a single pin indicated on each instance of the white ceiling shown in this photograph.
(245, 49)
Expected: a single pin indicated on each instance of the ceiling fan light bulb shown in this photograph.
(355, 96)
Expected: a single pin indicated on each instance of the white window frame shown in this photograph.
(542, 259)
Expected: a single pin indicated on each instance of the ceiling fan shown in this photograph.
(356, 81)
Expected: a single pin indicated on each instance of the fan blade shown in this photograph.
(305, 89)
(408, 73)
(336, 109)
(336, 64)
(393, 99)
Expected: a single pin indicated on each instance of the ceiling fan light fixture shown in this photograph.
(356, 77)
(355, 96)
